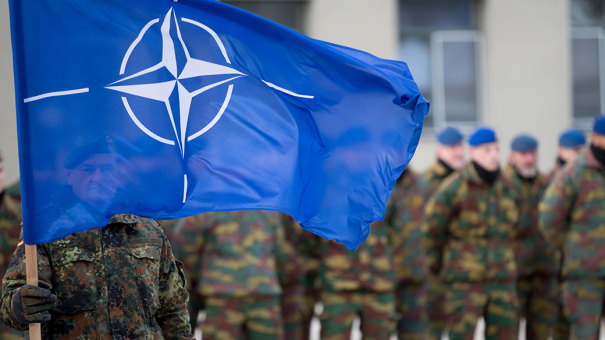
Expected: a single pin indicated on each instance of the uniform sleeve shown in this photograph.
(288, 266)
(173, 317)
(16, 277)
(187, 235)
(438, 213)
(555, 209)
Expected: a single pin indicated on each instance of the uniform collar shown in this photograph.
(440, 169)
(591, 160)
(124, 218)
(471, 174)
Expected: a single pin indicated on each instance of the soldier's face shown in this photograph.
(598, 140)
(526, 163)
(452, 155)
(2, 176)
(487, 155)
(94, 181)
(569, 154)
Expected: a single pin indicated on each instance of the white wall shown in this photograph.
(8, 121)
(529, 84)
(368, 25)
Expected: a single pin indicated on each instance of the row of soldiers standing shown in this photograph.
(462, 241)
(465, 240)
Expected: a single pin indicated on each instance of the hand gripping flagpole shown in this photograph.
(31, 269)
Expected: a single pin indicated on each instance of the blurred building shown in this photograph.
(521, 66)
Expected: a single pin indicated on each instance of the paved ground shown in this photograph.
(356, 335)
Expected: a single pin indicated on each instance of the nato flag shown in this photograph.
(168, 109)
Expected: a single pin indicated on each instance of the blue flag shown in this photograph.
(169, 109)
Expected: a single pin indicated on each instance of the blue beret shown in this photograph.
(449, 136)
(599, 125)
(482, 135)
(524, 143)
(103, 145)
(572, 138)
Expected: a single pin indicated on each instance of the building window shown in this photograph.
(588, 70)
(457, 78)
(289, 13)
(440, 42)
(588, 79)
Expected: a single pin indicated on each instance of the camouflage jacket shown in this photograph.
(14, 191)
(306, 245)
(10, 229)
(239, 253)
(572, 217)
(470, 227)
(405, 215)
(532, 253)
(370, 267)
(117, 282)
(434, 176)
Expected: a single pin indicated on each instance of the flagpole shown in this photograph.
(31, 269)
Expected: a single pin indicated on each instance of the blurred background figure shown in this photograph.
(535, 258)
(10, 228)
(471, 222)
(572, 215)
(243, 260)
(571, 144)
(360, 284)
(450, 157)
(404, 216)
(298, 301)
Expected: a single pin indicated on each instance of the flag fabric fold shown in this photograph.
(168, 109)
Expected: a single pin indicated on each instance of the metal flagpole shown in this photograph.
(31, 268)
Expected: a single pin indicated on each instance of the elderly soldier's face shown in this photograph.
(452, 155)
(526, 163)
(487, 155)
(94, 181)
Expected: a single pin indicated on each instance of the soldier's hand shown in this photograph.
(33, 304)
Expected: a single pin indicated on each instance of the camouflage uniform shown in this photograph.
(469, 229)
(436, 289)
(572, 217)
(561, 329)
(536, 262)
(298, 301)
(10, 229)
(244, 259)
(191, 264)
(14, 191)
(117, 282)
(405, 213)
(358, 283)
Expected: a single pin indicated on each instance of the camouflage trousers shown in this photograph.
(583, 306)
(561, 330)
(537, 295)
(243, 318)
(496, 301)
(376, 311)
(412, 309)
(436, 308)
(292, 304)
(312, 296)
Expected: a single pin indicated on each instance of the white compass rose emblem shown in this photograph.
(193, 68)
(163, 91)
